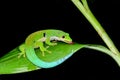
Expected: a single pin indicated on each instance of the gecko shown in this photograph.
(37, 40)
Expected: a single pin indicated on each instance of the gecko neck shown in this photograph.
(51, 39)
(55, 38)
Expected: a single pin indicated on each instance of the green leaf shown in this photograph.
(10, 63)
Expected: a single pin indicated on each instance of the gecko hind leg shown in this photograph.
(22, 51)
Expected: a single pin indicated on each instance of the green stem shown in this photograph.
(83, 7)
(104, 50)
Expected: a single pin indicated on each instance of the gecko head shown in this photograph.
(66, 38)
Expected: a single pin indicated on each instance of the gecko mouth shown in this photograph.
(69, 42)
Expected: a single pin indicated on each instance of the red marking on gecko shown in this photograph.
(71, 42)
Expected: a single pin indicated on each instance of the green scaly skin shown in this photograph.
(36, 40)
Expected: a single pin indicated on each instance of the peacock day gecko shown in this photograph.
(37, 40)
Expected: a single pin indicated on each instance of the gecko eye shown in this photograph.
(63, 36)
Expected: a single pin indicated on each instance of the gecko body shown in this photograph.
(37, 40)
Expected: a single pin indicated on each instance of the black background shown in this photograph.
(19, 19)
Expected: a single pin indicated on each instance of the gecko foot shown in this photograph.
(43, 52)
(21, 54)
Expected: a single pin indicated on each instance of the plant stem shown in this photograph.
(83, 7)
(104, 50)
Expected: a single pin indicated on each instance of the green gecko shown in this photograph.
(37, 40)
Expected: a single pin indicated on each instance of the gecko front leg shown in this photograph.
(50, 43)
